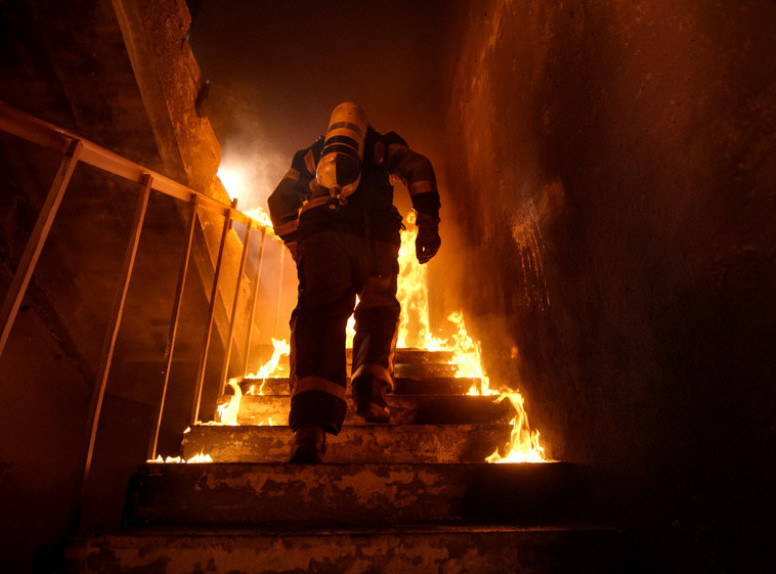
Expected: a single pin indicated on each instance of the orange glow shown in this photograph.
(262, 217)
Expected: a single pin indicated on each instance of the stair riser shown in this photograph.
(400, 369)
(402, 385)
(365, 444)
(405, 410)
(237, 494)
(409, 553)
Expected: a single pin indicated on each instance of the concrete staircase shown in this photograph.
(406, 497)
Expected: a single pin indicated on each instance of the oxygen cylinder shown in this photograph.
(339, 168)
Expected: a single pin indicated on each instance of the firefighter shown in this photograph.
(334, 211)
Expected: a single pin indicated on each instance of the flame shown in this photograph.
(262, 217)
(414, 329)
(233, 180)
(196, 459)
(412, 293)
(272, 367)
(227, 413)
(350, 330)
(524, 442)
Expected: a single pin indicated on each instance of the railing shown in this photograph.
(75, 150)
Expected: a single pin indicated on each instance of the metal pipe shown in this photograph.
(254, 299)
(211, 313)
(228, 352)
(173, 333)
(21, 279)
(111, 335)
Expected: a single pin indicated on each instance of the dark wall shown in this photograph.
(615, 168)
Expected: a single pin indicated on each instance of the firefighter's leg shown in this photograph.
(377, 318)
(326, 299)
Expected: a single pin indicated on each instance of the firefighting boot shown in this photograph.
(309, 445)
(369, 395)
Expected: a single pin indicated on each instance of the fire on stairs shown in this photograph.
(415, 495)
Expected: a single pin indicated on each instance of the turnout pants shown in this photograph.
(334, 267)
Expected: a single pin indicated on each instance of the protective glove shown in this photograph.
(428, 241)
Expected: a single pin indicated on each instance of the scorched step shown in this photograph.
(442, 550)
(403, 385)
(406, 409)
(332, 494)
(354, 444)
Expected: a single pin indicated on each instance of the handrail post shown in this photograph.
(109, 344)
(34, 247)
(173, 333)
(206, 343)
(254, 298)
(232, 319)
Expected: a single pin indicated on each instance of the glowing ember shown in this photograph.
(196, 459)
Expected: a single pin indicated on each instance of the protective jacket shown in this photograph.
(299, 207)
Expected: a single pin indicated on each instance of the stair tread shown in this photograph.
(389, 493)
(447, 385)
(355, 443)
(175, 531)
(409, 549)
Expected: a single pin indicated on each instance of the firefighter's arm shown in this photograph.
(418, 175)
(285, 202)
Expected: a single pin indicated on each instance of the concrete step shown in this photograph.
(401, 357)
(403, 385)
(412, 550)
(407, 409)
(364, 443)
(243, 495)
(417, 370)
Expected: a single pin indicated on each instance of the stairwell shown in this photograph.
(410, 496)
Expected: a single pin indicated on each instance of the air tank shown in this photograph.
(339, 168)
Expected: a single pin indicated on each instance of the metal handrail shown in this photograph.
(75, 149)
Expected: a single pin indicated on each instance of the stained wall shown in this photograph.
(612, 166)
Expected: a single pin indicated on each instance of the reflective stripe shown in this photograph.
(375, 371)
(286, 228)
(309, 162)
(319, 384)
(417, 187)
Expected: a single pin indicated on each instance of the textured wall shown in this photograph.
(614, 167)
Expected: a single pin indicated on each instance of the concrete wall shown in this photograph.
(613, 166)
(129, 84)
